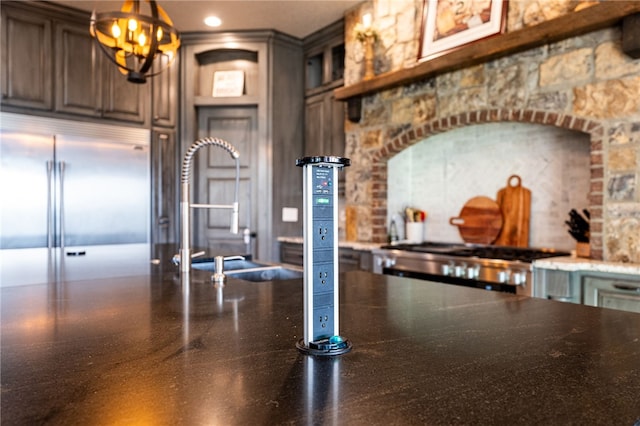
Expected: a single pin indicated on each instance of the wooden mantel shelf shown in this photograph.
(601, 15)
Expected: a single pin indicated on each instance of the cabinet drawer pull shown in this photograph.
(626, 287)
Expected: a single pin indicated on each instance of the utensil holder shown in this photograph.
(415, 232)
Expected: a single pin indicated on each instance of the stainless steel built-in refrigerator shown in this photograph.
(74, 200)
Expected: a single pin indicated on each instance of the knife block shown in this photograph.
(583, 250)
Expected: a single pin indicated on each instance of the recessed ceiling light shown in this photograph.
(212, 21)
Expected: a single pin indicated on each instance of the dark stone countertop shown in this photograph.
(147, 350)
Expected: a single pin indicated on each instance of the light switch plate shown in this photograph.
(289, 214)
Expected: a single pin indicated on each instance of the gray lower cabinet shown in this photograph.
(354, 260)
(349, 259)
(594, 288)
(292, 254)
(615, 291)
(563, 286)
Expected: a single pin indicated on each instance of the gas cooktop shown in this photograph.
(522, 254)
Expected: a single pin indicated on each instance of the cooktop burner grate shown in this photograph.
(521, 254)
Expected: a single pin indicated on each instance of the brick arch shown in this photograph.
(440, 125)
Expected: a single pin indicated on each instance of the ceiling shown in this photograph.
(298, 18)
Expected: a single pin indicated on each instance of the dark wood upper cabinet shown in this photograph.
(88, 83)
(324, 115)
(51, 63)
(78, 65)
(164, 97)
(26, 62)
(122, 100)
(324, 59)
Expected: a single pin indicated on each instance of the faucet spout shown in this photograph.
(185, 204)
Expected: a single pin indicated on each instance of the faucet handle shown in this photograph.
(236, 257)
(176, 257)
(235, 218)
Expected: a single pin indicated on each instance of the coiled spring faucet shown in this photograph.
(186, 206)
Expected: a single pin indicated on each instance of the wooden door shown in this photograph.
(214, 180)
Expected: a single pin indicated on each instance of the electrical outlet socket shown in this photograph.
(322, 278)
(323, 322)
(323, 234)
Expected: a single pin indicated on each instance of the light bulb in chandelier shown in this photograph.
(132, 24)
(115, 30)
(126, 37)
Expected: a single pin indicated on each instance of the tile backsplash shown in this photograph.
(441, 173)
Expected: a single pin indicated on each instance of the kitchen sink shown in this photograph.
(265, 273)
(249, 270)
(229, 265)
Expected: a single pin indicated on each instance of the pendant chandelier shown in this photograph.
(132, 40)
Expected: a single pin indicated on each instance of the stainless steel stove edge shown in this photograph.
(514, 273)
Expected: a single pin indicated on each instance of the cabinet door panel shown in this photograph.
(616, 300)
(337, 125)
(26, 60)
(292, 254)
(164, 92)
(324, 125)
(324, 129)
(123, 100)
(315, 124)
(77, 71)
(164, 179)
(612, 291)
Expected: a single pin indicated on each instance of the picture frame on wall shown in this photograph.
(449, 24)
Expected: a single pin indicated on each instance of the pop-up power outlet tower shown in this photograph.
(320, 231)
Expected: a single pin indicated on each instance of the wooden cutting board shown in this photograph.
(480, 221)
(515, 202)
(351, 225)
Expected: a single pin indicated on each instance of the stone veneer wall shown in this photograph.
(583, 83)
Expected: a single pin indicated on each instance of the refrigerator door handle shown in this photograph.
(49, 205)
(61, 167)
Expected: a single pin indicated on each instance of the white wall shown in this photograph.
(442, 172)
